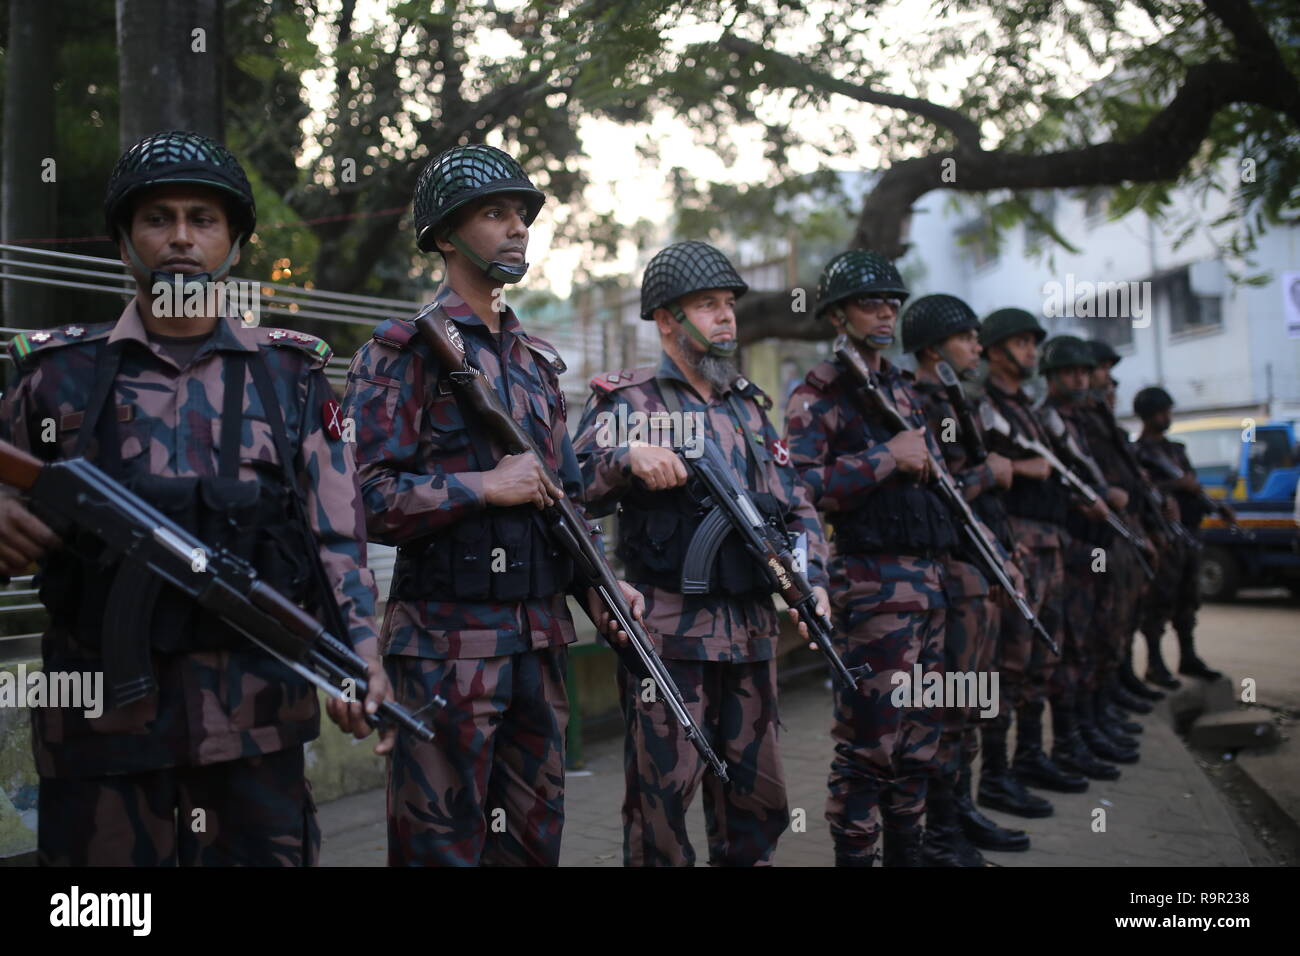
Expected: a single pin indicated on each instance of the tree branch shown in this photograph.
(799, 74)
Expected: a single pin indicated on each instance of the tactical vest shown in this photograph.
(251, 520)
(1031, 498)
(899, 517)
(498, 554)
(656, 528)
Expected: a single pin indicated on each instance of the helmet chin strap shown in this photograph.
(874, 342)
(965, 374)
(718, 349)
(496, 270)
(1025, 373)
(190, 284)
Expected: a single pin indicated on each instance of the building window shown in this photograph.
(1187, 309)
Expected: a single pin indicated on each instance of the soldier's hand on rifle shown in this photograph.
(24, 538)
(658, 468)
(1037, 468)
(350, 717)
(1117, 498)
(1017, 577)
(1169, 507)
(605, 622)
(1096, 510)
(1001, 468)
(822, 604)
(519, 480)
(910, 452)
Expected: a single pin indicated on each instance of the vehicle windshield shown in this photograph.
(1214, 454)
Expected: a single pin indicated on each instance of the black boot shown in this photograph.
(999, 788)
(1191, 665)
(1096, 741)
(945, 844)
(1113, 720)
(1126, 700)
(979, 829)
(1071, 752)
(1032, 766)
(1157, 672)
(1131, 683)
(902, 846)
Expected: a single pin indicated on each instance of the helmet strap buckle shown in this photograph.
(496, 270)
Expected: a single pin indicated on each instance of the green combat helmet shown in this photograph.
(931, 319)
(854, 273)
(179, 156)
(459, 176)
(683, 268)
(1004, 323)
(1065, 351)
(1104, 352)
(1151, 400)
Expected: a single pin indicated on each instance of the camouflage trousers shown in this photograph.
(1118, 611)
(489, 790)
(1174, 595)
(1089, 604)
(735, 706)
(884, 753)
(1025, 665)
(256, 811)
(969, 640)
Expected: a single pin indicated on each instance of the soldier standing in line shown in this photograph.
(944, 328)
(720, 648)
(1037, 506)
(1175, 595)
(892, 535)
(219, 426)
(1097, 566)
(477, 610)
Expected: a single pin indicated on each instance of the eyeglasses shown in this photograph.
(876, 303)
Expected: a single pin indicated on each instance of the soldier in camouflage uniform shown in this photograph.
(892, 536)
(1036, 505)
(720, 647)
(1095, 560)
(1113, 453)
(477, 611)
(944, 328)
(1174, 595)
(216, 424)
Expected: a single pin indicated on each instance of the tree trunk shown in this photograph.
(170, 73)
(28, 184)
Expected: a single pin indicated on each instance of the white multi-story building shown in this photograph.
(1173, 313)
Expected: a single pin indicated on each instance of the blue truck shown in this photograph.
(1253, 467)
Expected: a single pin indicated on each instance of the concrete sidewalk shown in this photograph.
(1163, 811)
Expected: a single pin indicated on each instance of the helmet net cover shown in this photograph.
(1004, 323)
(932, 318)
(855, 272)
(683, 268)
(461, 175)
(179, 156)
(1066, 351)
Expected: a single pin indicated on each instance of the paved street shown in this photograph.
(1162, 812)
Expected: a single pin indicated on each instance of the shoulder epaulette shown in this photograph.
(395, 332)
(545, 351)
(24, 345)
(314, 346)
(822, 375)
(750, 390)
(612, 381)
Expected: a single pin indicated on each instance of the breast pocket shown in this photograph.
(133, 432)
(257, 451)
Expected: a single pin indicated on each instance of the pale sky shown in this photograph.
(625, 184)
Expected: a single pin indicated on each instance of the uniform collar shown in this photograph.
(230, 335)
(1019, 395)
(458, 309)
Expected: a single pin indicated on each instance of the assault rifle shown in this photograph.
(77, 500)
(734, 512)
(1171, 471)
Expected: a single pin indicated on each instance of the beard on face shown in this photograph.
(717, 370)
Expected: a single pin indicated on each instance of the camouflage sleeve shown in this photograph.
(334, 509)
(836, 483)
(602, 462)
(800, 515)
(385, 400)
